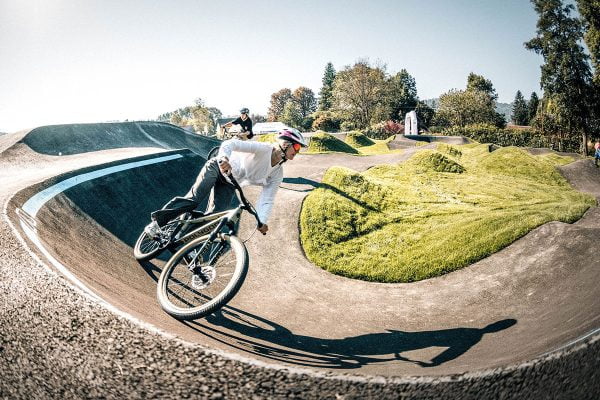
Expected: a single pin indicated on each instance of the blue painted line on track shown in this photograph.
(36, 202)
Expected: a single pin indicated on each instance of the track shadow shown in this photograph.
(314, 184)
(255, 335)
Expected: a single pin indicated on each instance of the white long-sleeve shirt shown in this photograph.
(251, 165)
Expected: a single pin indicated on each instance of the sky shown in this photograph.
(64, 61)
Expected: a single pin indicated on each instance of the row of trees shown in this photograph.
(293, 108)
(202, 118)
(354, 98)
(366, 96)
(523, 111)
(570, 105)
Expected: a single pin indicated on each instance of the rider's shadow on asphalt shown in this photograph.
(259, 336)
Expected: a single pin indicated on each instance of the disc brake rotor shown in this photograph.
(206, 276)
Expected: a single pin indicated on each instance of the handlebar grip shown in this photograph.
(260, 225)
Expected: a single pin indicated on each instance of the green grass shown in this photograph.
(322, 142)
(356, 143)
(439, 211)
(358, 139)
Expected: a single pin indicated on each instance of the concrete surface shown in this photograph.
(523, 322)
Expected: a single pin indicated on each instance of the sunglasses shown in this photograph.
(296, 147)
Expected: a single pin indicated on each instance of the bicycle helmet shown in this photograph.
(244, 111)
(292, 135)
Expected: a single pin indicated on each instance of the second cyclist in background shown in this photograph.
(245, 122)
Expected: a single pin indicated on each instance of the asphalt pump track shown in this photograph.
(531, 307)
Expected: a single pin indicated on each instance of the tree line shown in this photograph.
(570, 78)
(367, 97)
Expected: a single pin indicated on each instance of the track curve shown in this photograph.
(534, 297)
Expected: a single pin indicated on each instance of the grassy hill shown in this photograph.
(439, 211)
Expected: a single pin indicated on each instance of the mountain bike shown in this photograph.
(210, 263)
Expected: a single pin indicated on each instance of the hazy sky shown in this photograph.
(64, 61)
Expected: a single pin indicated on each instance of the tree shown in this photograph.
(256, 118)
(532, 107)
(424, 114)
(326, 92)
(519, 110)
(278, 101)
(291, 115)
(402, 89)
(359, 91)
(464, 107)
(305, 101)
(175, 118)
(478, 82)
(566, 75)
(326, 121)
(215, 113)
(590, 14)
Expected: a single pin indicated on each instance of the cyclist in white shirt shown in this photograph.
(250, 163)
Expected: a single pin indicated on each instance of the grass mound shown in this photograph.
(358, 139)
(322, 142)
(427, 160)
(420, 219)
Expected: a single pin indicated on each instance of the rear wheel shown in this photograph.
(147, 248)
(220, 274)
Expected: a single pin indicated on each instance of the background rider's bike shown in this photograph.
(210, 265)
(224, 135)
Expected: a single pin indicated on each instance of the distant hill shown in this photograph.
(503, 108)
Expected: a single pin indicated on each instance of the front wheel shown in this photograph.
(219, 275)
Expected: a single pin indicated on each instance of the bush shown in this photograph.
(487, 133)
(347, 126)
(325, 121)
(384, 130)
(267, 138)
(436, 129)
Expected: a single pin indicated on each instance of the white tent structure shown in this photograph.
(262, 128)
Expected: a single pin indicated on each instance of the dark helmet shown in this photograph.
(244, 111)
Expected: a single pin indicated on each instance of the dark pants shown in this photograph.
(211, 183)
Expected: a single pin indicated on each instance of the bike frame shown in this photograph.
(212, 224)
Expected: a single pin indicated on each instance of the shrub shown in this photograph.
(267, 138)
(325, 121)
(436, 129)
(347, 126)
(487, 133)
(384, 130)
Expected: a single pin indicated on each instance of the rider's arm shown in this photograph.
(229, 146)
(264, 205)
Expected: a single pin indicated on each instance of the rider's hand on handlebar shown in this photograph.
(263, 229)
(225, 166)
